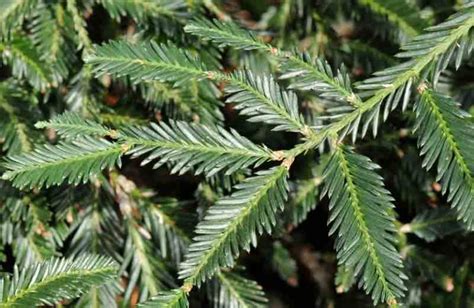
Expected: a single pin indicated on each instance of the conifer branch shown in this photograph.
(146, 269)
(431, 266)
(54, 280)
(47, 35)
(12, 14)
(302, 199)
(141, 9)
(433, 224)
(80, 26)
(401, 13)
(13, 128)
(72, 162)
(234, 223)
(262, 100)
(150, 61)
(70, 125)
(394, 84)
(361, 214)
(226, 34)
(25, 62)
(147, 233)
(446, 137)
(344, 279)
(236, 291)
(169, 225)
(176, 298)
(147, 62)
(188, 146)
(312, 74)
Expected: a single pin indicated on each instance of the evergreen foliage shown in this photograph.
(55, 280)
(72, 162)
(433, 224)
(148, 146)
(403, 14)
(24, 59)
(446, 138)
(232, 290)
(261, 99)
(360, 211)
(169, 299)
(71, 125)
(147, 62)
(233, 223)
(187, 146)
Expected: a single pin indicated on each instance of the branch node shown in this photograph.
(187, 287)
(113, 134)
(352, 99)
(422, 87)
(406, 228)
(306, 131)
(278, 155)
(125, 147)
(211, 75)
(288, 162)
(392, 302)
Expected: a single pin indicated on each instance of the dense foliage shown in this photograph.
(293, 153)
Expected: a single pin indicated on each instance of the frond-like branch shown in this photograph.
(176, 298)
(146, 270)
(446, 138)
(312, 74)
(401, 13)
(433, 224)
(309, 73)
(48, 38)
(185, 146)
(97, 229)
(79, 23)
(261, 98)
(283, 263)
(72, 162)
(229, 289)
(226, 34)
(81, 91)
(303, 196)
(233, 223)
(49, 282)
(12, 14)
(183, 103)
(140, 10)
(361, 214)
(431, 52)
(24, 61)
(70, 125)
(15, 112)
(193, 146)
(147, 62)
(344, 279)
(169, 224)
(105, 296)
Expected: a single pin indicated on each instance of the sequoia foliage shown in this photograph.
(172, 153)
